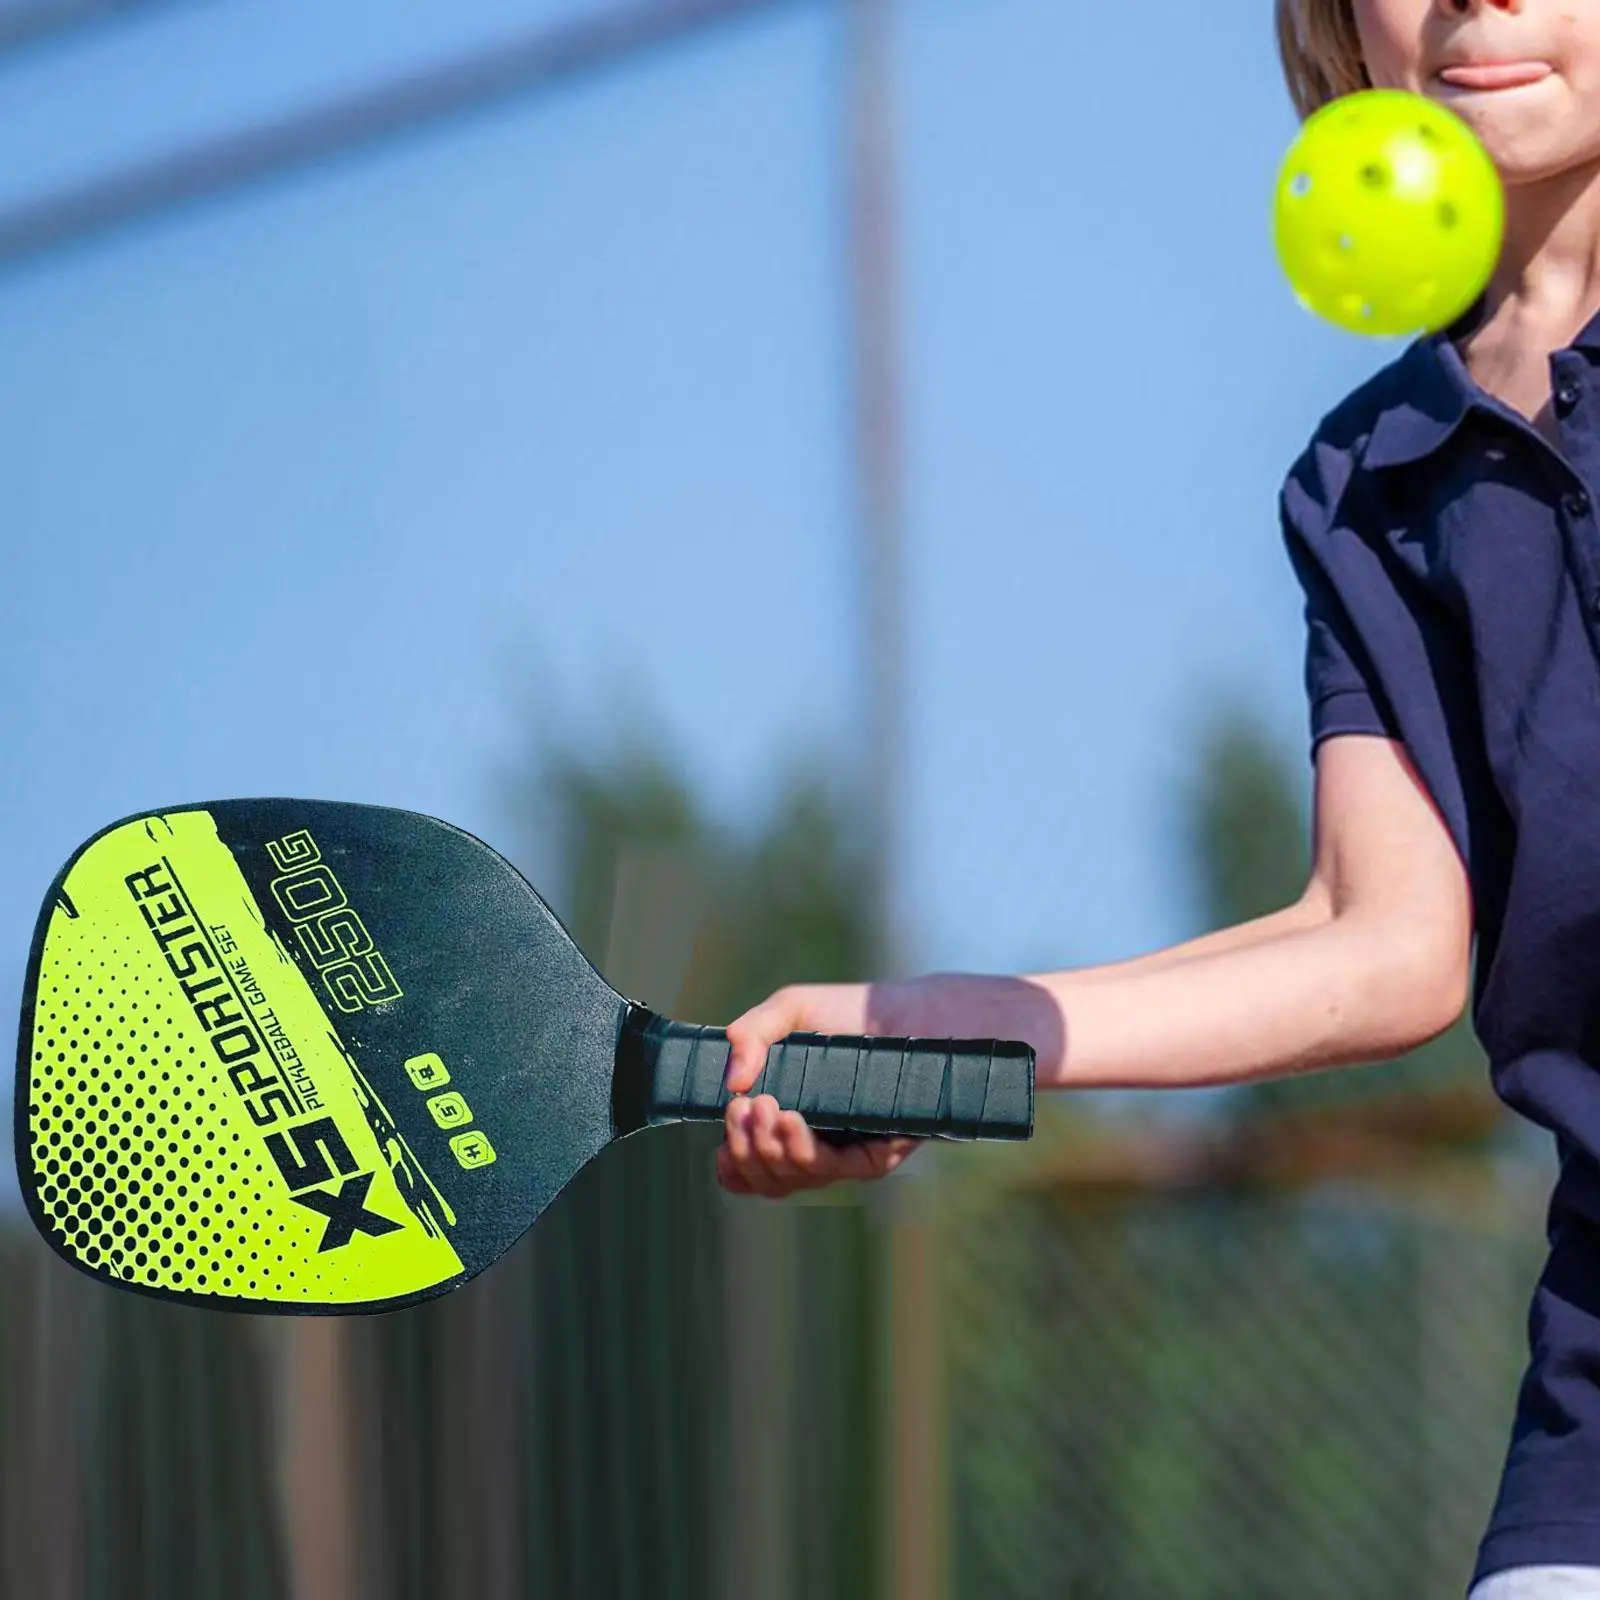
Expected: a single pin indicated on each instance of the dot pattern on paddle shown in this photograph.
(143, 1173)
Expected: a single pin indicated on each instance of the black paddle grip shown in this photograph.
(870, 1087)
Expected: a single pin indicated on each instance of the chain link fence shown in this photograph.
(1211, 1390)
(1229, 1394)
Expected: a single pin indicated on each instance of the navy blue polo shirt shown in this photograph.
(1450, 560)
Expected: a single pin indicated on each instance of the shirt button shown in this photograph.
(1575, 503)
(1567, 396)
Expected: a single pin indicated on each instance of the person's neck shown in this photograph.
(1546, 285)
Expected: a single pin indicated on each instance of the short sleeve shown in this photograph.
(1342, 689)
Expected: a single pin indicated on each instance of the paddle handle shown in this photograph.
(867, 1086)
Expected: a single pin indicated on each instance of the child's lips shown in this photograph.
(1496, 74)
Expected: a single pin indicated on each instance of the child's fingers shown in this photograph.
(800, 1144)
(772, 1152)
(767, 1140)
(877, 1158)
(814, 1163)
(735, 1138)
(728, 1175)
(749, 1143)
(750, 1036)
(820, 1164)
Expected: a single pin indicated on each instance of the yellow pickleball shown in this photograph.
(1388, 213)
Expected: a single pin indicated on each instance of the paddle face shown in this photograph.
(299, 1055)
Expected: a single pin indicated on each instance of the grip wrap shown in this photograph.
(921, 1088)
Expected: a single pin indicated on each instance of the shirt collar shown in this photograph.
(1589, 338)
(1433, 391)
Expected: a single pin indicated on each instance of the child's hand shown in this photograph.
(771, 1152)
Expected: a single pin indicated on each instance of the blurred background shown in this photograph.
(800, 477)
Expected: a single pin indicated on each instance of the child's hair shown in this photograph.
(1320, 51)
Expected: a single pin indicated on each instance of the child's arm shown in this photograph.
(1379, 842)
(1327, 994)
(1370, 962)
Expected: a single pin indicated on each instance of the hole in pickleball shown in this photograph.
(1300, 183)
(1374, 175)
(1448, 215)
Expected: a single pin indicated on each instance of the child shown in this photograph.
(1442, 525)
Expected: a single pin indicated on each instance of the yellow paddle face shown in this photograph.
(195, 1120)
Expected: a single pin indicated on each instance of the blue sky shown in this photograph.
(316, 487)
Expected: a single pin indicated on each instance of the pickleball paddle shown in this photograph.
(309, 1056)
